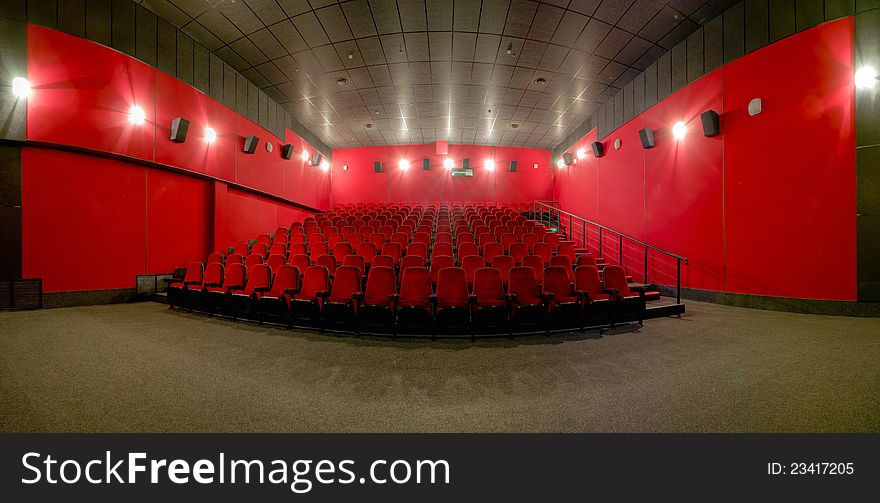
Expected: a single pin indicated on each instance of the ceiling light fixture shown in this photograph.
(866, 78)
(136, 115)
(21, 88)
(342, 81)
(541, 81)
(679, 130)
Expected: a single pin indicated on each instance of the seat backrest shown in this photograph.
(422, 237)
(253, 259)
(470, 264)
(415, 285)
(297, 237)
(566, 249)
(552, 239)
(440, 262)
(242, 248)
(400, 238)
(195, 273)
(556, 280)
(301, 262)
(417, 249)
(523, 283)
(235, 276)
(286, 278)
(466, 237)
(452, 288)
(328, 261)
(258, 276)
(466, 249)
(278, 249)
(411, 261)
(614, 276)
(346, 282)
(544, 251)
(564, 261)
(507, 240)
(492, 250)
(586, 260)
(367, 250)
(260, 249)
(314, 280)
(530, 240)
(356, 240)
(275, 261)
(441, 249)
(298, 249)
(333, 240)
(318, 249)
(381, 283)
(504, 264)
(235, 258)
(215, 257)
(442, 237)
(518, 251)
(214, 274)
(586, 279)
(341, 250)
(488, 285)
(382, 261)
(355, 261)
(393, 250)
(535, 262)
(377, 239)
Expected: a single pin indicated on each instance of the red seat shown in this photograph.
(216, 257)
(356, 261)
(527, 302)
(586, 259)
(564, 261)
(259, 280)
(400, 238)
(518, 251)
(260, 249)
(441, 249)
(440, 262)
(367, 250)
(630, 299)
(565, 303)
(377, 239)
(318, 249)
(411, 261)
(466, 249)
(504, 264)
(301, 262)
(488, 300)
(253, 259)
(339, 307)
(552, 239)
(392, 250)
(544, 251)
(327, 261)
(566, 249)
(298, 249)
(305, 306)
(453, 299)
(417, 249)
(276, 302)
(278, 249)
(234, 279)
(597, 301)
(235, 258)
(378, 301)
(276, 261)
(265, 239)
(297, 238)
(466, 237)
(243, 248)
(530, 240)
(414, 303)
(442, 237)
(382, 261)
(535, 262)
(491, 250)
(177, 288)
(333, 240)
(470, 264)
(356, 240)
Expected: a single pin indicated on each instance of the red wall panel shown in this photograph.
(178, 214)
(83, 221)
(683, 189)
(576, 187)
(360, 184)
(82, 94)
(621, 182)
(526, 184)
(261, 170)
(789, 181)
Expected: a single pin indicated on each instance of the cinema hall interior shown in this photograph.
(439, 216)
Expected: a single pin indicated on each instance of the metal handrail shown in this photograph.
(553, 207)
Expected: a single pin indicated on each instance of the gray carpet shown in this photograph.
(143, 367)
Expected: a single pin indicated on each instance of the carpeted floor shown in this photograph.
(144, 367)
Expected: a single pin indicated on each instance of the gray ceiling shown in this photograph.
(426, 70)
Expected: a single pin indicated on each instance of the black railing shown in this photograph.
(611, 244)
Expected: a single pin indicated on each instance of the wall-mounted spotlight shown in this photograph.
(21, 88)
(489, 165)
(250, 144)
(305, 155)
(136, 115)
(581, 153)
(711, 123)
(567, 159)
(560, 163)
(316, 159)
(866, 78)
(646, 135)
(179, 128)
(210, 135)
(286, 151)
(679, 129)
(403, 165)
(325, 166)
(448, 163)
(598, 149)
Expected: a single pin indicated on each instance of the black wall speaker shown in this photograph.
(647, 137)
(567, 158)
(286, 151)
(250, 144)
(316, 159)
(179, 127)
(711, 123)
(377, 166)
(598, 149)
(465, 163)
(512, 167)
(426, 164)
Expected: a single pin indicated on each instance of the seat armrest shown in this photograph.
(612, 291)
(173, 280)
(548, 295)
(233, 288)
(637, 288)
(262, 289)
(358, 295)
(291, 291)
(322, 294)
(472, 298)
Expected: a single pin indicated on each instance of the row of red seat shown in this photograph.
(557, 298)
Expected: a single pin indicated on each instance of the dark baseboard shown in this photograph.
(805, 306)
(89, 297)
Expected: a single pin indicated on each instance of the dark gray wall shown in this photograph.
(868, 153)
(13, 63)
(741, 29)
(138, 32)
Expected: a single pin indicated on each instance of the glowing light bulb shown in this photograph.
(679, 130)
(560, 163)
(489, 165)
(581, 153)
(21, 87)
(448, 163)
(210, 135)
(136, 115)
(866, 78)
(305, 155)
(404, 164)
(325, 166)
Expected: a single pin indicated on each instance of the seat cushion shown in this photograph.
(413, 303)
(491, 303)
